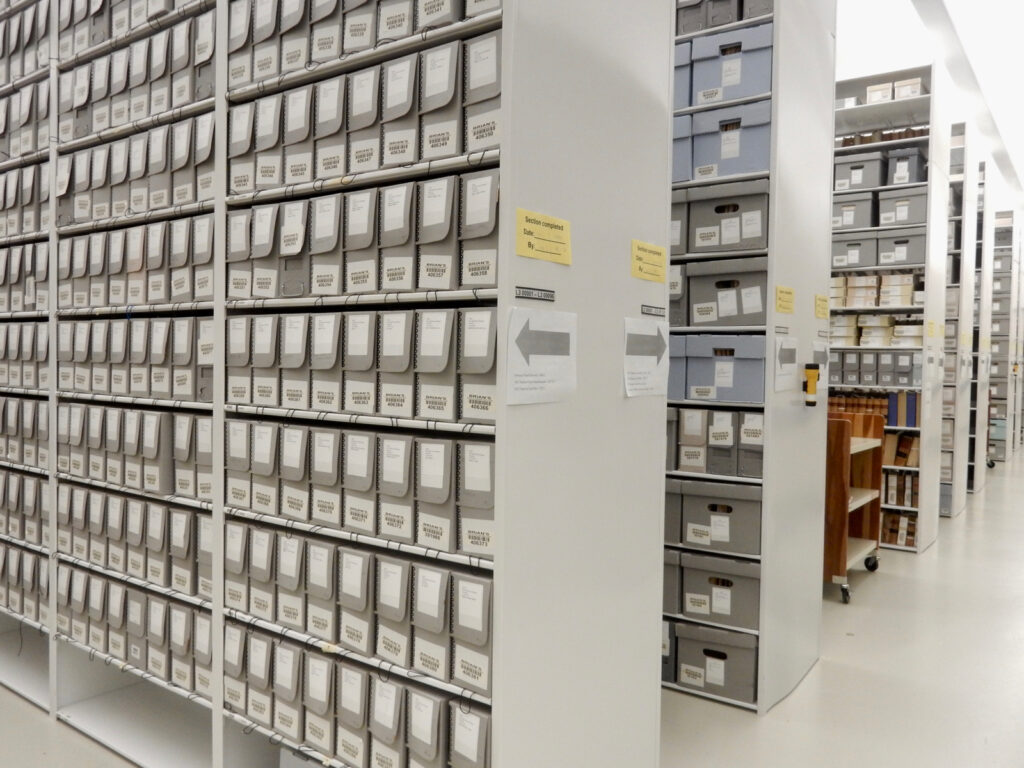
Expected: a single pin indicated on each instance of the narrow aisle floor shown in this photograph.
(924, 667)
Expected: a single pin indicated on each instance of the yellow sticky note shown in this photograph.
(648, 262)
(543, 237)
(785, 300)
(821, 307)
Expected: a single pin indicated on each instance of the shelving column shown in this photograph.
(984, 264)
(1002, 391)
(748, 309)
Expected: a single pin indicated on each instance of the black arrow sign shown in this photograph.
(640, 345)
(550, 343)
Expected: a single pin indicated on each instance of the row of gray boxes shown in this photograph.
(884, 248)
(81, 25)
(24, 503)
(272, 37)
(723, 292)
(381, 117)
(157, 263)
(433, 620)
(715, 442)
(438, 234)
(25, 120)
(890, 208)
(876, 369)
(159, 357)
(434, 492)
(727, 66)
(24, 431)
(26, 200)
(23, 278)
(436, 364)
(725, 369)
(24, 355)
(720, 218)
(343, 709)
(24, 583)
(697, 15)
(164, 637)
(148, 171)
(723, 142)
(870, 170)
(25, 40)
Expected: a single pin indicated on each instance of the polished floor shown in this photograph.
(925, 667)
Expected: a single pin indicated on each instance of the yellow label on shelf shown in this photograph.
(648, 262)
(543, 237)
(986, 344)
(965, 339)
(821, 307)
(785, 300)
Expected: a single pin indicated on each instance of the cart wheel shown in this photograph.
(846, 593)
(990, 464)
(871, 563)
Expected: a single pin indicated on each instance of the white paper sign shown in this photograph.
(646, 360)
(541, 356)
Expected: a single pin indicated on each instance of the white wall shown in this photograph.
(880, 35)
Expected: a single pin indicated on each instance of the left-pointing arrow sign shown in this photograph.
(537, 343)
(643, 345)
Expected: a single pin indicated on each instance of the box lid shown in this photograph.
(715, 564)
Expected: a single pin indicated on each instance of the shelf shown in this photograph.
(743, 24)
(898, 548)
(24, 238)
(25, 661)
(858, 550)
(895, 508)
(138, 126)
(25, 315)
(883, 268)
(370, 421)
(115, 222)
(368, 299)
(884, 188)
(894, 468)
(451, 165)
(877, 146)
(715, 478)
(859, 497)
(877, 310)
(877, 349)
(717, 329)
(679, 617)
(336, 650)
(721, 180)
(277, 739)
(32, 77)
(383, 52)
(711, 696)
(181, 501)
(415, 550)
(143, 30)
(686, 258)
(855, 387)
(24, 468)
(685, 548)
(14, 7)
(861, 444)
(39, 549)
(31, 158)
(883, 115)
(715, 404)
(183, 405)
(24, 392)
(139, 309)
(30, 623)
(149, 586)
(723, 104)
(877, 230)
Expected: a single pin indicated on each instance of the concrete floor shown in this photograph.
(925, 667)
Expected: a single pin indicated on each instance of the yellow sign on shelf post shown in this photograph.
(648, 262)
(539, 236)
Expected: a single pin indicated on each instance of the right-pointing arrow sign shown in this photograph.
(643, 345)
(537, 343)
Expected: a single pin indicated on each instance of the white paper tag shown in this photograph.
(732, 71)
(751, 300)
(698, 534)
(705, 312)
(720, 528)
(751, 225)
(721, 601)
(477, 459)
(698, 604)
(727, 303)
(724, 374)
(707, 237)
(715, 671)
(730, 144)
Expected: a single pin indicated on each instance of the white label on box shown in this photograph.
(703, 393)
(357, 455)
(698, 534)
(677, 232)
(690, 675)
(751, 300)
(730, 144)
(471, 606)
(709, 96)
(731, 231)
(707, 171)
(394, 208)
(887, 218)
(727, 303)
(707, 237)
(478, 192)
(715, 671)
(393, 334)
(428, 592)
(476, 336)
(393, 461)
(432, 332)
(705, 313)
(421, 718)
(467, 734)
(752, 431)
(720, 528)
(432, 464)
(842, 185)
(325, 213)
(724, 374)
(437, 67)
(357, 339)
(751, 225)
(903, 210)
(359, 214)
(902, 172)
(856, 177)
(434, 202)
(732, 71)
(852, 256)
(362, 92)
(477, 460)
(849, 215)
(482, 58)
(900, 253)
(398, 84)
(675, 281)
(699, 604)
(352, 575)
(721, 432)
(390, 585)
(323, 449)
(721, 600)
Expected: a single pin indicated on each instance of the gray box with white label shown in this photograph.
(730, 217)
(726, 368)
(717, 661)
(728, 292)
(721, 590)
(722, 518)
